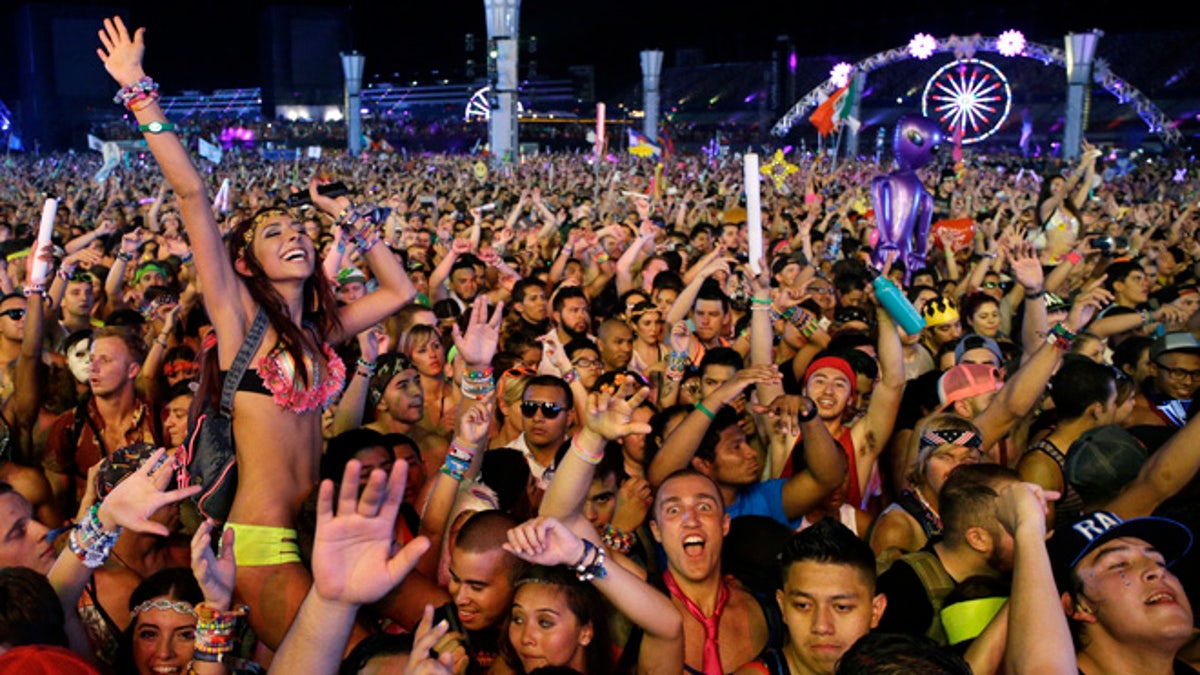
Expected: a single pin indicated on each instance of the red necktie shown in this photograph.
(712, 652)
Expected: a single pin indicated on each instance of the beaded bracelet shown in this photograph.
(214, 632)
(65, 273)
(123, 256)
(618, 540)
(570, 376)
(592, 458)
(1060, 337)
(364, 368)
(90, 542)
(140, 92)
(32, 290)
(476, 384)
(591, 563)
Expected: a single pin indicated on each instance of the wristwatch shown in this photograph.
(156, 127)
(811, 411)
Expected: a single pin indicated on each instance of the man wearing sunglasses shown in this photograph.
(12, 329)
(546, 408)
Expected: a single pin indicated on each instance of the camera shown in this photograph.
(331, 190)
(1111, 245)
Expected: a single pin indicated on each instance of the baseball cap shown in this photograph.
(1173, 342)
(387, 367)
(351, 275)
(1102, 461)
(966, 380)
(1070, 544)
(44, 659)
(975, 341)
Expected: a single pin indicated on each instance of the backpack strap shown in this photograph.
(250, 344)
(937, 582)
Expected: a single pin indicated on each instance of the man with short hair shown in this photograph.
(529, 307)
(113, 416)
(724, 626)
(483, 581)
(1127, 612)
(395, 405)
(828, 600)
(1085, 397)
(973, 543)
(615, 340)
(547, 406)
(570, 318)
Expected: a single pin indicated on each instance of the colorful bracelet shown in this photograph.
(187, 258)
(36, 289)
(618, 540)
(90, 542)
(590, 458)
(123, 256)
(140, 92)
(1060, 337)
(214, 631)
(570, 376)
(761, 301)
(364, 368)
(477, 384)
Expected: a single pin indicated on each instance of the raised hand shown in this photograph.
(544, 541)
(634, 498)
(478, 345)
(424, 660)
(680, 337)
(332, 206)
(1091, 299)
(135, 499)
(354, 560)
(214, 571)
(609, 412)
(120, 53)
(475, 419)
(1025, 266)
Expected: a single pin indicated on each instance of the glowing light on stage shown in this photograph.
(921, 46)
(840, 74)
(1010, 43)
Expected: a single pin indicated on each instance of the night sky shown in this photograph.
(213, 44)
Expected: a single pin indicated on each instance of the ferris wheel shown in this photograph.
(479, 106)
(968, 96)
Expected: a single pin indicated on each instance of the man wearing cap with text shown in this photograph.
(1128, 613)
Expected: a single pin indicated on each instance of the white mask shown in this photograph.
(79, 361)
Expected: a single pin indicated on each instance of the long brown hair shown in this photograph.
(320, 305)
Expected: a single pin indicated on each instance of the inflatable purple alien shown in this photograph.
(903, 207)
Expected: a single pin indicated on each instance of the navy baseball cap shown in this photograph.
(1071, 543)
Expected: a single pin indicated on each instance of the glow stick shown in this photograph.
(221, 201)
(37, 274)
(753, 211)
(599, 131)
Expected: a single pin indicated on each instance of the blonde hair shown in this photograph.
(936, 422)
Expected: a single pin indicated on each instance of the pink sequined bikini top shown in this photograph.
(277, 370)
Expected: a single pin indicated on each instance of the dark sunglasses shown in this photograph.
(16, 313)
(549, 410)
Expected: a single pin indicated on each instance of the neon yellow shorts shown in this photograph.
(262, 545)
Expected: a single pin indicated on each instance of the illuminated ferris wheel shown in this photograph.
(479, 106)
(968, 96)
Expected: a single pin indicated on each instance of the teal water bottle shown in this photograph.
(892, 298)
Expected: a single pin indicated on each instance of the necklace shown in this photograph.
(929, 510)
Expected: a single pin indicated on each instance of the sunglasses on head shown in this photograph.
(16, 313)
(549, 410)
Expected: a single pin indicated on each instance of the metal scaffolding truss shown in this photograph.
(1102, 75)
(221, 103)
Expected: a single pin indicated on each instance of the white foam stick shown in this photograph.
(221, 201)
(600, 110)
(753, 211)
(38, 273)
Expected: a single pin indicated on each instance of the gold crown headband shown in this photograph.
(939, 311)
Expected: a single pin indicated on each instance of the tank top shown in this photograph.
(1070, 504)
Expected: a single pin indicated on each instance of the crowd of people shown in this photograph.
(551, 417)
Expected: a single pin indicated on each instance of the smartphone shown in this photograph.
(331, 190)
(449, 613)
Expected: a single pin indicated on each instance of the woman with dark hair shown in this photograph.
(1059, 206)
(557, 620)
(268, 270)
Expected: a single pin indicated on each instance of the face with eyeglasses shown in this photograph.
(544, 416)
(1177, 374)
(589, 366)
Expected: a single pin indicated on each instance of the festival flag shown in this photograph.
(641, 146)
(95, 143)
(209, 151)
(835, 110)
(14, 143)
(664, 141)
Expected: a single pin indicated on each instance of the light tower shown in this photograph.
(651, 75)
(1081, 52)
(352, 68)
(503, 27)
